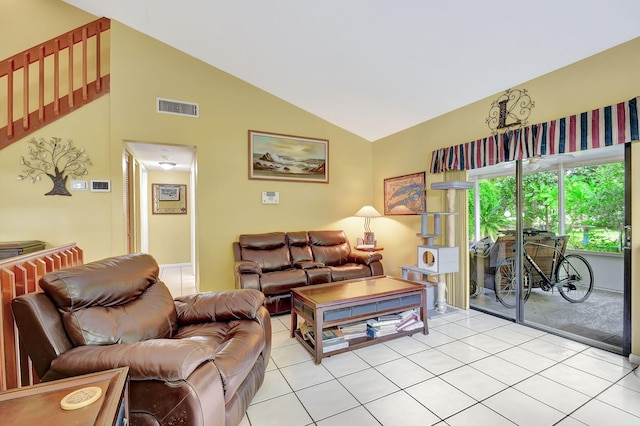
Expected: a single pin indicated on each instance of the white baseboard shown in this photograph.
(634, 359)
(174, 265)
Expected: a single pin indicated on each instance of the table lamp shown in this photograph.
(368, 212)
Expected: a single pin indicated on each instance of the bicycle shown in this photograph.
(571, 274)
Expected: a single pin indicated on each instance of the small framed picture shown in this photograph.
(169, 198)
(405, 194)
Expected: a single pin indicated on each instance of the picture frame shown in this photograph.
(282, 157)
(168, 198)
(168, 193)
(405, 195)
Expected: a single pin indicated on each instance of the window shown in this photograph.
(593, 201)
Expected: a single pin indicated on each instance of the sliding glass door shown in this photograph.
(568, 213)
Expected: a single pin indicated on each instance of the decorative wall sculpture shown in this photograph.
(56, 159)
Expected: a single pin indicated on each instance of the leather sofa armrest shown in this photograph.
(364, 257)
(309, 264)
(218, 306)
(248, 267)
(155, 359)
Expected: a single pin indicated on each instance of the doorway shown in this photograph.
(555, 201)
(162, 222)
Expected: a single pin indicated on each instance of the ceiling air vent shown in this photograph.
(169, 106)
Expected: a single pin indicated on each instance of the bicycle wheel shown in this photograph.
(505, 282)
(575, 278)
(474, 288)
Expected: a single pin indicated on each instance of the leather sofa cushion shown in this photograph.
(282, 281)
(237, 345)
(115, 300)
(301, 254)
(298, 239)
(330, 247)
(274, 259)
(332, 255)
(349, 272)
(266, 241)
(327, 238)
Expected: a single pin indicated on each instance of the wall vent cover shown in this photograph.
(170, 106)
(100, 186)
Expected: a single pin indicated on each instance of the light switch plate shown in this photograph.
(79, 185)
(270, 197)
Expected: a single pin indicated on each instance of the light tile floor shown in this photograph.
(472, 368)
(180, 279)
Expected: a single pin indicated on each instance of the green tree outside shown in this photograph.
(594, 203)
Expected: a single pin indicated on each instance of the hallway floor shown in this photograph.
(472, 368)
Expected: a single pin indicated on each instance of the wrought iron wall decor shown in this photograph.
(56, 159)
(511, 109)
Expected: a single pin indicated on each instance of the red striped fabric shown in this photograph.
(614, 124)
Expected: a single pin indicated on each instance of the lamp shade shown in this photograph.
(367, 211)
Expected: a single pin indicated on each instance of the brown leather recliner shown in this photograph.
(195, 360)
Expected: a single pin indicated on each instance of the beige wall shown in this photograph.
(84, 217)
(169, 234)
(598, 81)
(228, 203)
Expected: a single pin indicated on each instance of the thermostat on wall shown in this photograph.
(270, 197)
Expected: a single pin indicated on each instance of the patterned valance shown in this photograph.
(611, 125)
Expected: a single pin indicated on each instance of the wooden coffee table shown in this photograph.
(340, 303)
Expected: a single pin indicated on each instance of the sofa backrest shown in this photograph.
(330, 247)
(269, 250)
(299, 247)
(114, 300)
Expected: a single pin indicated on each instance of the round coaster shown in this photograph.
(81, 398)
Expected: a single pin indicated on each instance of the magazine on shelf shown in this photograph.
(410, 319)
(379, 332)
(414, 325)
(307, 332)
(376, 322)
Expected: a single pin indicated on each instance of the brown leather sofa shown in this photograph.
(277, 262)
(195, 360)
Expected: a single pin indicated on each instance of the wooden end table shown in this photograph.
(340, 303)
(40, 404)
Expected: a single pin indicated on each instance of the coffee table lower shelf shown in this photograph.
(334, 304)
(359, 342)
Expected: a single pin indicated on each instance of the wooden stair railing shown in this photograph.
(20, 275)
(76, 89)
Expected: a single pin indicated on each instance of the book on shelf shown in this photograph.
(330, 347)
(330, 335)
(354, 330)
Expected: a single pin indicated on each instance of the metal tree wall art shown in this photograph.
(55, 159)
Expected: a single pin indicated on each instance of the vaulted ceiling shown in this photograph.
(376, 67)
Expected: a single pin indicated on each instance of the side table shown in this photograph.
(40, 404)
(424, 274)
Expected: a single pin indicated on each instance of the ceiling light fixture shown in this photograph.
(167, 165)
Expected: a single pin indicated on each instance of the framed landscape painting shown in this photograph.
(405, 194)
(283, 157)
